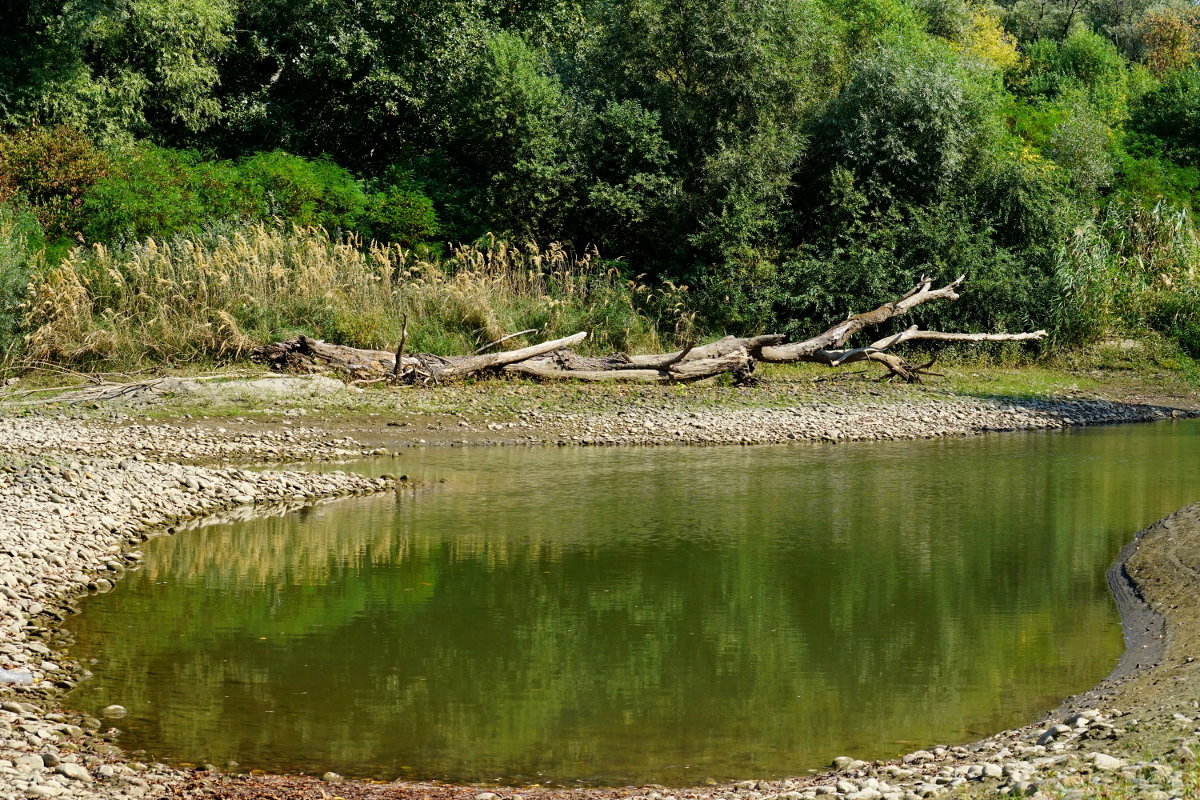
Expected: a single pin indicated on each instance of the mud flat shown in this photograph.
(76, 498)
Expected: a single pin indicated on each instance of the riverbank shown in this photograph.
(76, 494)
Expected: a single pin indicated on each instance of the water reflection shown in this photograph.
(640, 615)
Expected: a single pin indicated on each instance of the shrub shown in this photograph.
(307, 192)
(400, 215)
(20, 256)
(156, 191)
(52, 169)
(1170, 117)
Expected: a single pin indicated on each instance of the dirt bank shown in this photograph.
(76, 495)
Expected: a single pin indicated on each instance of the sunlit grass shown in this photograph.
(212, 299)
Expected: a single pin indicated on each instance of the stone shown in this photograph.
(331, 777)
(114, 711)
(75, 772)
(1106, 763)
(28, 764)
(487, 796)
(865, 794)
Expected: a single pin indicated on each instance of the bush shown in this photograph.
(159, 192)
(20, 256)
(52, 169)
(306, 192)
(1170, 117)
(400, 215)
(1084, 62)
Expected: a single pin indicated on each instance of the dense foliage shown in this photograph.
(789, 160)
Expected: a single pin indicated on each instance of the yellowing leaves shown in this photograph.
(985, 40)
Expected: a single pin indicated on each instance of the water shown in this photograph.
(640, 615)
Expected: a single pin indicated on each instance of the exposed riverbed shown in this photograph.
(77, 496)
(632, 616)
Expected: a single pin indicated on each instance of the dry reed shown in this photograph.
(214, 297)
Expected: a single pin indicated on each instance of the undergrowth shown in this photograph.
(212, 298)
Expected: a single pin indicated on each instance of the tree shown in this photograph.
(902, 127)
(1170, 115)
(1171, 37)
(725, 88)
(137, 67)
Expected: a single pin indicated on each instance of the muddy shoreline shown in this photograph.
(76, 496)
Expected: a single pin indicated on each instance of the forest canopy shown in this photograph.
(788, 161)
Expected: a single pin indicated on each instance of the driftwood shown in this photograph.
(554, 360)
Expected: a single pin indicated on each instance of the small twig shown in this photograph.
(46, 366)
(838, 376)
(503, 339)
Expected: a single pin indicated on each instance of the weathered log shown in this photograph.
(836, 336)
(554, 360)
(303, 354)
(900, 368)
(753, 345)
(565, 368)
(310, 355)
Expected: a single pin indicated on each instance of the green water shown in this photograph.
(640, 615)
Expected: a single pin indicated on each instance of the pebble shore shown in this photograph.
(920, 418)
(74, 502)
(76, 498)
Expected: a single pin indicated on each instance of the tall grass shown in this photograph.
(212, 298)
(1130, 269)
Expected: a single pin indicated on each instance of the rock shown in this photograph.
(74, 771)
(331, 777)
(1023, 789)
(487, 796)
(842, 762)
(28, 764)
(114, 711)
(1106, 763)
(50, 759)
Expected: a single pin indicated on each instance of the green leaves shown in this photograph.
(141, 66)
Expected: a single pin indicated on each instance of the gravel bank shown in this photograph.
(73, 500)
(75, 497)
(861, 420)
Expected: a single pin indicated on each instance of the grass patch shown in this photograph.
(210, 299)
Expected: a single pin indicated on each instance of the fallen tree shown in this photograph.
(555, 360)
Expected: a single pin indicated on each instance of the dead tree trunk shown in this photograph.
(554, 360)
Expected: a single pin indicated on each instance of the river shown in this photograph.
(613, 616)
